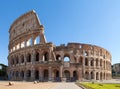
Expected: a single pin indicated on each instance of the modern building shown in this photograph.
(31, 57)
(116, 70)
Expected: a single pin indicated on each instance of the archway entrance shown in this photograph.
(67, 75)
(37, 75)
(75, 77)
(46, 76)
(56, 75)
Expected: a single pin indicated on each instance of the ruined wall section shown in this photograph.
(26, 31)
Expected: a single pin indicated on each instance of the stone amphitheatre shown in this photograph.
(32, 58)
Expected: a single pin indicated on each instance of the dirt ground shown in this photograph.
(26, 85)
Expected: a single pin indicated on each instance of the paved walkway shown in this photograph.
(66, 86)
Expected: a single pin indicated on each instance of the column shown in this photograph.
(98, 75)
(33, 57)
(79, 74)
(71, 74)
(98, 63)
(32, 73)
(50, 73)
(32, 40)
(61, 69)
(94, 75)
(89, 76)
(89, 62)
(40, 74)
(83, 70)
(25, 75)
(94, 63)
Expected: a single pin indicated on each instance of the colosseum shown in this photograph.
(32, 58)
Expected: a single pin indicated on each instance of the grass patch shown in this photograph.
(99, 86)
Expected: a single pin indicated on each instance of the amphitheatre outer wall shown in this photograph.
(31, 57)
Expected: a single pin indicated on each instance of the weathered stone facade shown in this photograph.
(31, 57)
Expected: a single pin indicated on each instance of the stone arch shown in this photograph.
(46, 56)
(87, 75)
(75, 76)
(36, 74)
(17, 74)
(81, 60)
(58, 57)
(86, 53)
(101, 76)
(92, 62)
(56, 75)
(17, 59)
(28, 73)
(104, 76)
(37, 40)
(22, 59)
(66, 58)
(28, 57)
(86, 61)
(22, 74)
(97, 61)
(37, 56)
(92, 75)
(46, 74)
(29, 42)
(97, 76)
(22, 44)
(67, 74)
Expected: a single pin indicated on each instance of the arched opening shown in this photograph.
(17, 60)
(92, 62)
(36, 74)
(28, 74)
(100, 62)
(23, 44)
(56, 75)
(86, 53)
(66, 59)
(81, 60)
(22, 59)
(104, 65)
(75, 76)
(29, 42)
(96, 62)
(17, 74)
(67, 74)
(18, 46)
(92, 75)
(29, 58)
(97, 76)
(104, 77)
(46, 57)
(22, 74)
(58, 57)
(101, 76)
(87, 75)
(86, 62)
(37, 40)
(46, 75)
(37, 56)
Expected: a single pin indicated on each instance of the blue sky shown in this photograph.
(83, 21)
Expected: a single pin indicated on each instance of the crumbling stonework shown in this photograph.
(32, 58)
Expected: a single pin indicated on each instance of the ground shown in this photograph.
(47, 85)
(31, 85)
